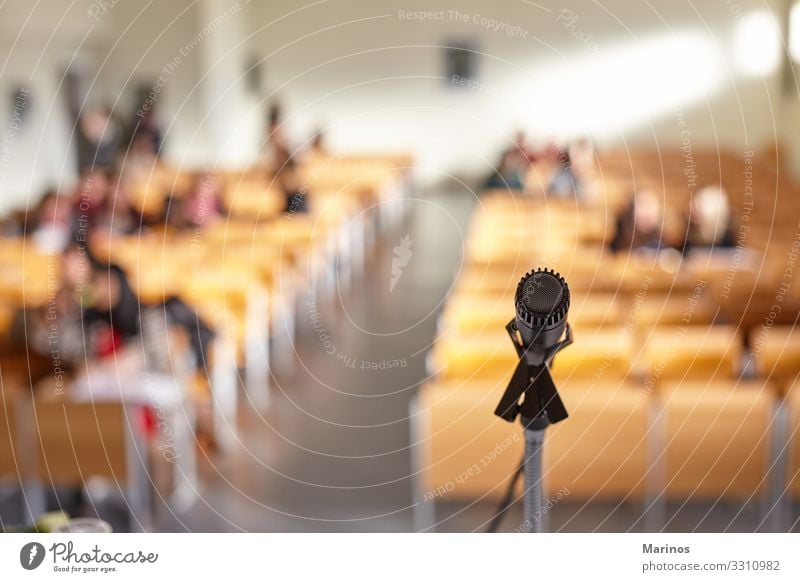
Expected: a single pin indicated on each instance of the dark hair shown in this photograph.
(563, 157)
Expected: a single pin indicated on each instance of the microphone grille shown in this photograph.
(542, 298)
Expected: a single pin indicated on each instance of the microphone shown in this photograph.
(541, 302)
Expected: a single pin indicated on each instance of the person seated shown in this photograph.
(513, 167)
(564, 183)
(640, 225)
(288, 180)
(583, 160)
(708, 221)
(506, 175)
(48, 224)
(317, 146)
(98, 137)
(202, 206)
(146, 139)
(91, 204)
(99, 331)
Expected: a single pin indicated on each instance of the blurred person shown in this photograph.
(12, 224)
(122, 218)
(582, 156)
(146, 139)
(277, 144)
(110, 313)
(98, 137)
(288, 180)
(202, 206)
(520, 156)
(506, 174)
(56, 330)
(640, 225)
(708, 221)
(564, 183)
(513, 167)
(49, 224)
(317, 145)
(90, 204)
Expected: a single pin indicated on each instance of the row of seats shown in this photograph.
(683, 383)
(699, 441)
(243, 275)
(652, 353)
(47, 445)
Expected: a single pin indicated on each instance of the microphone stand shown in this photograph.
(539, 394)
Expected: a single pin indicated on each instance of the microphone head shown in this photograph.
(542, 303)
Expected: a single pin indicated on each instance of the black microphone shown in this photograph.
(542, 303)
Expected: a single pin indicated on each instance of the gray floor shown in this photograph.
(332, 451)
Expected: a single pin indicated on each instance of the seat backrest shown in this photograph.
(8, 439)
(793, 470)
(717, 441)
(467, 452)
(76, 441)
(600, 451)
(777, 351)
(692, 352)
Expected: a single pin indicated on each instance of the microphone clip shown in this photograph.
(541, 404)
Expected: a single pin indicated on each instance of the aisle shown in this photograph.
(331, 454)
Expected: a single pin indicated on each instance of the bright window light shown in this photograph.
(794, 32)
(757, 47)
(623, 86)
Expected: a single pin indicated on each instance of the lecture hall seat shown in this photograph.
(717, 439)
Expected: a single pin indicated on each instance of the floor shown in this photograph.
(331, 451)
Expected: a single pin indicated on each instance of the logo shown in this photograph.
(402, 255)
(31, 555)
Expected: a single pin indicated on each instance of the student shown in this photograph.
(708, 221)
(98, 138)
(91, 204)
(513, 166)
(202, 207)
(564, 183)
(49, 224)
(640, 225)
(507, 175)
(288, 181)
(146, 139)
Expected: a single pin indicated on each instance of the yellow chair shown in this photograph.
(692, 352)
(793, 470)
(600, 451)
(466, 451)
(73, 442)
(717, 441)
(777, 351)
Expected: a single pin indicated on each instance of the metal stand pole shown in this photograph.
(534, 518)
(533, 500)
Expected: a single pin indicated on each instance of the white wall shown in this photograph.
(379, 81)
(375, 78)
(36, 45)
